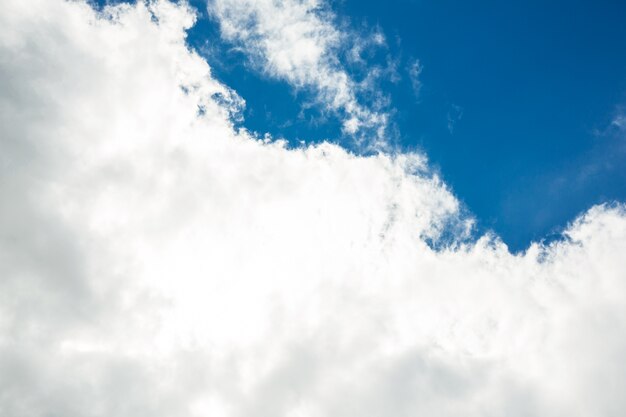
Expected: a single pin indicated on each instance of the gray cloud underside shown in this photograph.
(156, 262)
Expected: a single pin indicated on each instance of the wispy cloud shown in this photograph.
(299, 42)
(619, 120)
(615, 124)
(415, 70)
(455, 113)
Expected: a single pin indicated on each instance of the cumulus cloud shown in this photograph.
(157, 261)
(299, 42)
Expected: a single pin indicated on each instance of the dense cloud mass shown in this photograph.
(156, 261)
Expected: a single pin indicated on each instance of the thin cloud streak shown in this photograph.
(415, 70)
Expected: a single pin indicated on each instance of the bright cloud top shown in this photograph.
(297, 41)
(155, 261)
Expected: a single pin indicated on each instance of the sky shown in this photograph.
(312, 208)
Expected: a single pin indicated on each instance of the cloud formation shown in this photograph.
(415, 70)
(455, 113)
(619, 121)
(156, 261)
(298, 41)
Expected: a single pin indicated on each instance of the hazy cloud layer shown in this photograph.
(154, 261)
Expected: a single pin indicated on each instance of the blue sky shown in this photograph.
(514, 110)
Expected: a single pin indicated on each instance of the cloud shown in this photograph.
(298, 41)
(454, 115)
(415, 69)
(619, 120)
(157, 261)
(616, 123)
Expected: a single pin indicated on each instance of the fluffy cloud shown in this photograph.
(155, 261)
(297, 41)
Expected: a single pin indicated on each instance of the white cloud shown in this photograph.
(297, 41)
(154, 261)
